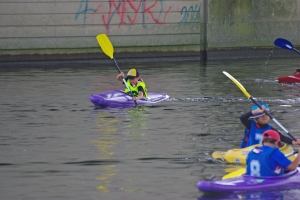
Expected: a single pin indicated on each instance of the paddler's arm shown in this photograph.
(120, 76)
(297, 142)
(245, 119)
(284, 138)
(140, 96)
(287, 140)
(295, 163)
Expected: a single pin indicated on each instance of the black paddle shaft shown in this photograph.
(116, 64)
(296, 51)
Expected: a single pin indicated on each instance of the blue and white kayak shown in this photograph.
(118, 98)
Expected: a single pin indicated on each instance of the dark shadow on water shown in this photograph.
(94, 162)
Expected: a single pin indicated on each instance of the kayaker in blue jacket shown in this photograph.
(136, 85)
(256, 122)
(268, 160)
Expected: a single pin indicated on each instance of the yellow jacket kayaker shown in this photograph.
(135, 84)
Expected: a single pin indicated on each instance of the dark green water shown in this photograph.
(55, 145)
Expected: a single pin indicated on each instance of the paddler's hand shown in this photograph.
(297, 142)
(141, 95)
(258, 110)
(120, 76)
(135, 98)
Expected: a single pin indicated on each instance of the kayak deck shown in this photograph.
(295, 78)
(288, 79)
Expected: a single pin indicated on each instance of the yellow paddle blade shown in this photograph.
(105, 45)
(238, 84)
(234, 174)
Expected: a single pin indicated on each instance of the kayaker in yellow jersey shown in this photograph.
(268, 160)
(256, 122)
(136, 85)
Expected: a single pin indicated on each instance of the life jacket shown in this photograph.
(258, 162)
(297, 73)
(254, 135)
(134, 88)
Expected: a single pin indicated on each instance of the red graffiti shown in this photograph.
(127, 12)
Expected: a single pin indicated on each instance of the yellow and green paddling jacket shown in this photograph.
(135, 88)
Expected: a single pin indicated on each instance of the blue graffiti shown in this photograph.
(83, 10)
(191, 14)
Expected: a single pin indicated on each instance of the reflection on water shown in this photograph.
(133, 124)
(105, 143)
(136, 121)
(55, 145)
(274, 195)
(291, 90)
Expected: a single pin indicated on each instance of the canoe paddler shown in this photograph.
(256, 122)
(297, 73)
(136, 85)
(268, 160)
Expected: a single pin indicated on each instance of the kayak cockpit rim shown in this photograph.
(285, 175)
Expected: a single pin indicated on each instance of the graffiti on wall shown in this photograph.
(133, 12)
(83, 10)
(126, 12)
(191, 14)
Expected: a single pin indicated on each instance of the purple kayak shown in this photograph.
(118, 98)
(246, 183)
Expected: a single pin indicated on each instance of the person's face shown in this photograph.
(263, 119)
(134, 81)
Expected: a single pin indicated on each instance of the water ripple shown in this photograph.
(94, 162)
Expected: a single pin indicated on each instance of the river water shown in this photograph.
(54, 144)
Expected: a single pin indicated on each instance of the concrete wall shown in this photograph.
(66, 29)
(70, 26)
(237, 25)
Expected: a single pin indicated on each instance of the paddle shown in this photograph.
(285, 44)
(108, 49)
(234, 174)
(256, 103)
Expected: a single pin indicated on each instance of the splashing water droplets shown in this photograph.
(257, 80)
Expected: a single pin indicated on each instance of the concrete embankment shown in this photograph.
(151, 30)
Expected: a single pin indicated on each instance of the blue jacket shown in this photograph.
(254, 135)
(266, 161)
